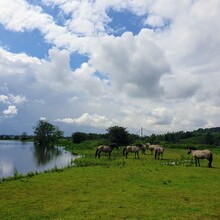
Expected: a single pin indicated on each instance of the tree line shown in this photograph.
(46, 133)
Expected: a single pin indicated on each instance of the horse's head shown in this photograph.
(189, 150)
(113, 145)
(147, 145)
(142, 147)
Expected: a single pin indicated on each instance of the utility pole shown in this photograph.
(142, 132)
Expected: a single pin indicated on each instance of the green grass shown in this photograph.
(118, 188)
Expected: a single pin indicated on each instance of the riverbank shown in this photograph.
(118, 188)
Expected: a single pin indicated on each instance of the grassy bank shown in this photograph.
(118, 188)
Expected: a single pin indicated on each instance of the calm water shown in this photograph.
(25, 157)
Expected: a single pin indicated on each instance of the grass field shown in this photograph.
(118, 188)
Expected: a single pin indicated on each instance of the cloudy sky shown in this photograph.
(91, 64)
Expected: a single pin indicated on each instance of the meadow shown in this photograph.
(119, 188)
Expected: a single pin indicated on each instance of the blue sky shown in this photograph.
(32, 43)
(88, 65)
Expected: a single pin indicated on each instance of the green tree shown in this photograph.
(78, 137)
(46, 134)
(209, 139)
(24, 136)
(118, 135)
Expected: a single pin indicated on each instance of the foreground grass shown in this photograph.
(118, 188)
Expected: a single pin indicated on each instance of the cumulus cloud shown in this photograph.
(91, 120)
(145, 79)
(18, 99)
(154, 21)
(15, 64)
(4, 99)
(132, 66)
(11, 111)
(13, 99)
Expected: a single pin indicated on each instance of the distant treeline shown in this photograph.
(207, 136)
(22, 137)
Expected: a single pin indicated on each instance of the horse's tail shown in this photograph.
(124, 150)
(96, 153)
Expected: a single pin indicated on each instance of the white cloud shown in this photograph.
(11, 111)
(43, 118)
(154, 21)
(89, 120)
(4, 99)
(15, 64)
(12, 99)
(163, 79)
(134, 64)
(18, 99)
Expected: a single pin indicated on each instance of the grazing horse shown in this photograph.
(105, 149)
(158, 152)
(151, 147)
(201, 154)
(133, 149)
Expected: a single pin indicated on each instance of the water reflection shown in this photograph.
(6, 168)
(44, 154)
(26, 157)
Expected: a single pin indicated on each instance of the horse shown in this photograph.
(151, 147)
(105, 149)
(201, 154)
(158, 152)
(133, 149)
(144, 148)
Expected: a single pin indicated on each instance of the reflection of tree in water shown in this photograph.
(44, 154)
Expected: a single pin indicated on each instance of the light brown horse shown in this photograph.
(158, 152)
(105, 149)
(201, 154)
(151, 147)
(133, 149)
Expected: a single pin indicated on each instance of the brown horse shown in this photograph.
(158, 152)
(133, 149)
(201, 154)
(105, 149)
(151, 147)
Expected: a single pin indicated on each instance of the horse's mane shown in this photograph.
(192, 148)
(112, 145)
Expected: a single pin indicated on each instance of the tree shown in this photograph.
(46, 134)
(78, 137)
(209, 139)
(118, 135)
(24, 136)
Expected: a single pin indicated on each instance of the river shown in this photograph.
(25, 157)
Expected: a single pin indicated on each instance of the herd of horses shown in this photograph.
(158, 151)
(132, 149)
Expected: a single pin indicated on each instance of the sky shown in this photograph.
(88, 65)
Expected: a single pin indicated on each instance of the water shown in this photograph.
(26, 157)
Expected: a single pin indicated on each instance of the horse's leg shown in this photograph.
(126, 154)
(109, 155)
(196, 160)
(138, 154)
(124, 151)
(96, 153)
(99, 154)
